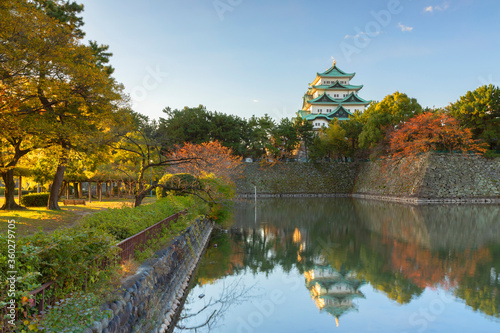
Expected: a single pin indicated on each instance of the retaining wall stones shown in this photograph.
(297, 178)
(151, 297)
(424, 179)
(431, 178)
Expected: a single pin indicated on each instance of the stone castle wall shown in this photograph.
(425, 178)
(297, 178)
(431, 177)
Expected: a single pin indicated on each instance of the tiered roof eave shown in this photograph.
(326, 99)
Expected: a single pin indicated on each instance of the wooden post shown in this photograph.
(80, 190)
(107, 190)
(19, 193)
(99, 188)
(90, 191)
(67, 190)
(119, 188)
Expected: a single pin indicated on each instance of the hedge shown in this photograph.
(35, 200)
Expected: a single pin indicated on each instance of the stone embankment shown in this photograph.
(150, 298)
(427, 178)
(297, 178)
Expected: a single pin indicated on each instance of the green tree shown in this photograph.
(284, 139)
(479, 110)
(382, 117)
(229, 131)
(336, 141)
(305, 133)
(353, 128)
(187, 125)
(54, 93)
(258, 136)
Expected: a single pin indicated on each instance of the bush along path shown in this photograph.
(83, 262)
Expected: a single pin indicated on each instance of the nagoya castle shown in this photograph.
(331, 96)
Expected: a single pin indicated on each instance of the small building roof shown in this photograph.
(334, 71)
(353, 98)
(340, 113)
(324, 99)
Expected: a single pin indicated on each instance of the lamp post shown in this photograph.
(151, 194)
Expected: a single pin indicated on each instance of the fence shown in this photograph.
(138, 241)
(134, 243)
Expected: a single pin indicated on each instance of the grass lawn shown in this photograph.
(39, 218)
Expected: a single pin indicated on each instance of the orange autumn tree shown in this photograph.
(209, 158)
(216, 167)
(430, 131)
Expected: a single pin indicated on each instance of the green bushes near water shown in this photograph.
(125, 222)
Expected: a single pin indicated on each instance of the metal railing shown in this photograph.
(41, 302)
(138, 241)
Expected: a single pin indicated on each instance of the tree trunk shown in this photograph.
(20, 189)
(58, 179)
(90, 192)
(61, 191)
(80, 190)
(75, 190)
(67, 190)
(139, 198)
(56, 185)
(10, 185)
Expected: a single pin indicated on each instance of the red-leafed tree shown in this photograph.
(431, 131)
(209, 157)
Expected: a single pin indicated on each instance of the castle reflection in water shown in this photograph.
(345, 244)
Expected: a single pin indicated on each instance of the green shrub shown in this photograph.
(127, 221)
(178, 181)
(72, 257)
(73, 314)
(35, 200)
(492, 154)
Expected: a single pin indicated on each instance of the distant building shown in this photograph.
(331, 96)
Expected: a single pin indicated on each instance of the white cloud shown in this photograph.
(438, 8)
(255, 101)
(404, 28)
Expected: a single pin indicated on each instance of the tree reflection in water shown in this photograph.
(398, 249)
(212, 311)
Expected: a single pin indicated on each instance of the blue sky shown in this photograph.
(252, 57)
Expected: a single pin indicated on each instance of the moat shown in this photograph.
(348, 265)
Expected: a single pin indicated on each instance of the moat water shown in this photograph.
(348, 265)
